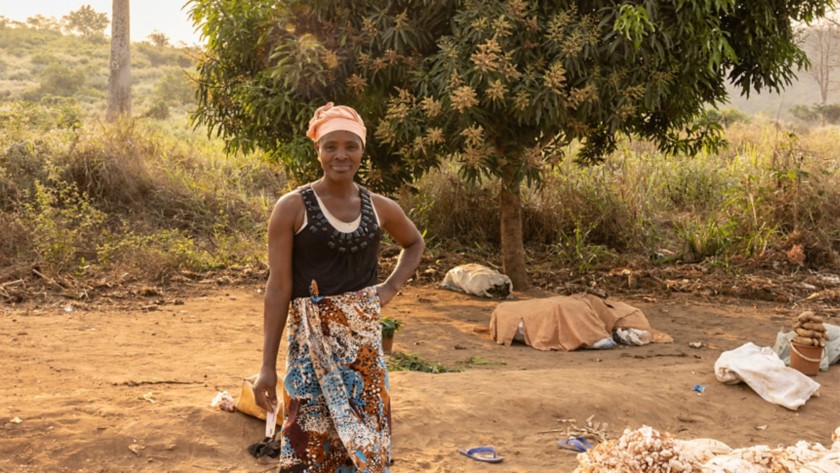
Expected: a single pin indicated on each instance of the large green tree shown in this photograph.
(499, 86)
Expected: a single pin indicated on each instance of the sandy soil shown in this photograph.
(113, 390)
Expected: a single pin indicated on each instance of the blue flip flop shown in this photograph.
(482, 454)
(575, 444)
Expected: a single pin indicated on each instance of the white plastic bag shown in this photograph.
(478, 280)
(766, 374)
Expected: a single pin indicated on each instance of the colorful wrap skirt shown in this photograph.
(336, 407)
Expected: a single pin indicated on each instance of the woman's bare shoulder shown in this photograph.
(383, 203)
(289, 208)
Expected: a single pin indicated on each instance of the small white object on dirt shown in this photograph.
(16, 420)
(223, 401)
(478, 280)
(633, 336)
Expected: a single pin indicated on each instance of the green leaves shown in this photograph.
(633, 23)
(498, 84)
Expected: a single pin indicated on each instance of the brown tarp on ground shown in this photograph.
(564, 322)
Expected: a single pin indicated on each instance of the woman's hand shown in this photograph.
(386, 293)
(265, 389)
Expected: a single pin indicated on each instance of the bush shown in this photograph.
(817, 113)
(16, 244)
(67, 226)
(22, 164)
(129, 197)
(449, 209)
(58, 79)
(175, 87)
(43, 59)
(159, 110)
(20, 76)
(727, 116)
(163, 56)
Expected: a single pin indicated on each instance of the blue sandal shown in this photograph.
(482, 454)
(575, 444)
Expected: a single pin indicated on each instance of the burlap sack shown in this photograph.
(247, 403)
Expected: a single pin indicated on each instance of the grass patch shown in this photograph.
(412, 362)
(478, 361)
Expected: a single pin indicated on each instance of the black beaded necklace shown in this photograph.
(339, 241)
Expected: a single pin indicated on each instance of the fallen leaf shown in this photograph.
(796, 255)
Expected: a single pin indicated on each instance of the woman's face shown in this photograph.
(340, 154)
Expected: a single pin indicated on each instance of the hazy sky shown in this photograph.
(146, 15)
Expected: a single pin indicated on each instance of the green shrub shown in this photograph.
(58, 79)
(22, 76)
(159, 110)
(67, 226)
(43, 59)
(21, 165)
(726, 116)
(175, 87)
(162, 56)
(817, 113)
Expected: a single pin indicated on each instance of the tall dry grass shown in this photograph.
(152, 198)
(148, 197)
(770, 189)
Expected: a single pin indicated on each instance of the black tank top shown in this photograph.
(339, 262)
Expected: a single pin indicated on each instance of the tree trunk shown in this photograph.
(119, 79)
(513, 250)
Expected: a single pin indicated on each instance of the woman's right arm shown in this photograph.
(278, 293)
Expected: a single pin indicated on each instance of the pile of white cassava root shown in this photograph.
(645, 450)
(809, 330)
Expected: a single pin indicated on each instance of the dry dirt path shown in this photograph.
(108, 390)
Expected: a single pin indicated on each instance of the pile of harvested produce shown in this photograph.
(646, 450)
(810, 330)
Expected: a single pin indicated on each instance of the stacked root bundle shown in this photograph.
(810, 330)
(645, 450)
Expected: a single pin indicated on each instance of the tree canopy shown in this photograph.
(499, 86)
(87, 22)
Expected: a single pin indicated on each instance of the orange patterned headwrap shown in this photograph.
(335, 117)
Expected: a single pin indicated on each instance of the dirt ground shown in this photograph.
(109, 388)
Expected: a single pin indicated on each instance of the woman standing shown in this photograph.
(323, 243)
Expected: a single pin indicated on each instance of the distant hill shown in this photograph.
(37, 63)
(34, 63)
